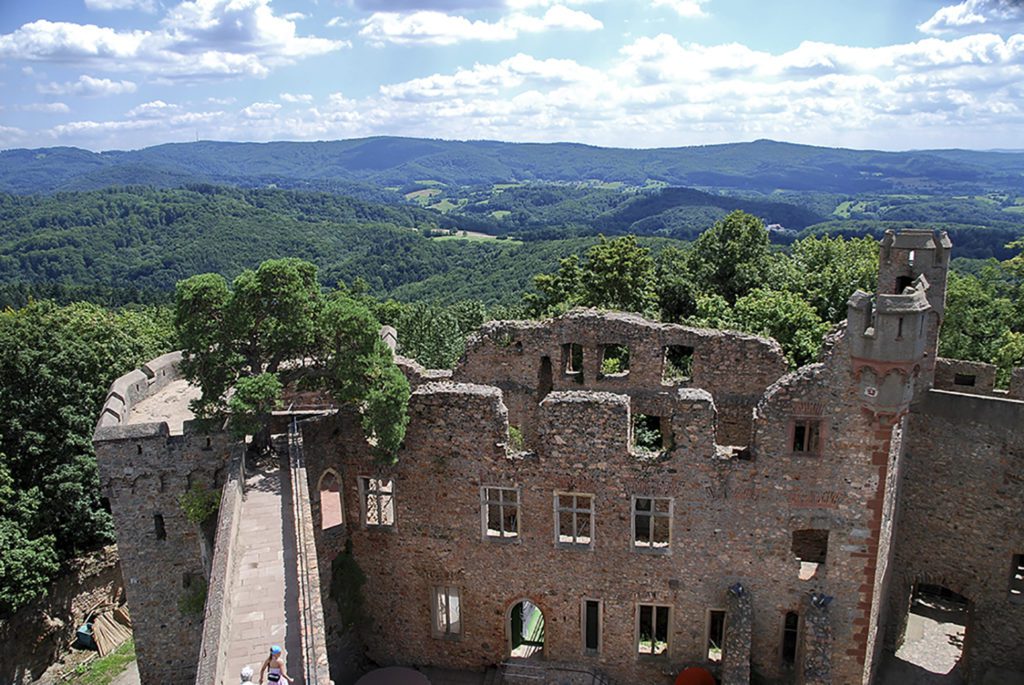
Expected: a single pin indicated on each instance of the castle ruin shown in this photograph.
(613, 496)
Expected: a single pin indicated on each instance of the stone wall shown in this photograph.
(144, 469)
(734, 367)
(219, 601)
(37, 635)
(732, 519)
(960, 521)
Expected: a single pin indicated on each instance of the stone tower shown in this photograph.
(903, 258)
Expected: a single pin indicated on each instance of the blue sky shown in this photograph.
(888, 74)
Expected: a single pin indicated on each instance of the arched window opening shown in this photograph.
(331, 511)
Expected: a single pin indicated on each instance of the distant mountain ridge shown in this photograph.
(361, 167)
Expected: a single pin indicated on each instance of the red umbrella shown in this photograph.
(695, 675)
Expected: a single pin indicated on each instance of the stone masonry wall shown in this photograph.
(219, 600)
(143, 471)
(734, 367)
(960, 519)
(732, 519)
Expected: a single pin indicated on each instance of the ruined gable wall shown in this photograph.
(960, 520)
(732, 522)
(734, 367)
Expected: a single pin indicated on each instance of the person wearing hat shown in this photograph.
(274, 667)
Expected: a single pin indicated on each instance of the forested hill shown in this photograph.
(361, 167)
(116, 245)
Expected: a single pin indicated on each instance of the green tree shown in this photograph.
(732, 257)
(975, 320)
(56, 364)
(785, 317)
(676, 289)
(274, 327)
(615, 274)
(825, 271)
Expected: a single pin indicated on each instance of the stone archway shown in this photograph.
(524, 623)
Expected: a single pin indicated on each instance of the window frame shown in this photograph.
(654, 625)
(446, 592)
(365, 491)
(587, 651)
(653, 515)
(819, 435)
(574, 510)
(707, 631)
(485, 504)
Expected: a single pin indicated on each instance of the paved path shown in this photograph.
(265, 588)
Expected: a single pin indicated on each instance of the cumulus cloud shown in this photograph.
(416, 5)
(88, 86)
(260, 110)
(438, 28)
(656, 91)
(153, 109)
(684, 8)
(492, 79)
(197, 39)
(296, 97)
(144, 5)
(972, 15)
(47, 107)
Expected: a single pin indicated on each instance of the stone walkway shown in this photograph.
(265, 592)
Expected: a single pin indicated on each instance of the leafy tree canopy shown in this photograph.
(273, 326)
(56, 364)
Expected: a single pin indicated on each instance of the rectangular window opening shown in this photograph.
(966, 379)
(574, 520)
(678, 364)
(447, 610)
(649, 433)
(790, 631)
(158, 527)
(807, 436)
(652, 523)
(378, 501)
(716, 634)
(572, 357)
(591, 626)
(501, 513)
(810, 547)
(614, 360)
(1017, 577)
(652, 630)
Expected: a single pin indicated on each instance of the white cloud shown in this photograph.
(337, 22)
(153, 109)
(684, 8)
(48, 107)
(260, 110)
(492, 79)
(970, 15)
(197, 39)
(144, 5)
(655, 91)
(437, 28)
(88, 86)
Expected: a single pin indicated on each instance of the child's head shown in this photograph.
(247, 674)
(275, 650)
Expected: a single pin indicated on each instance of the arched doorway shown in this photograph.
(525, 630)
(935, 630)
